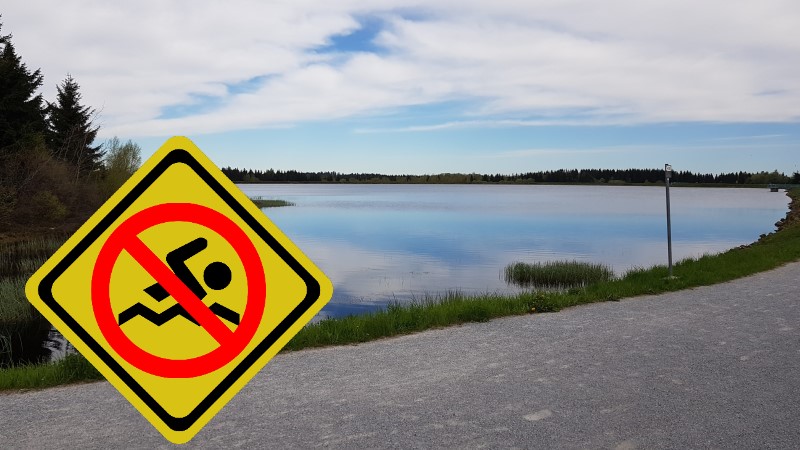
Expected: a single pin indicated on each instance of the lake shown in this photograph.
(395, 243)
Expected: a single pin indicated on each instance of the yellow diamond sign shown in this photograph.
(179, 290)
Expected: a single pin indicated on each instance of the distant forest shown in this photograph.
(588, 176)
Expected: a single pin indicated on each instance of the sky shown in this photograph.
(417, 87)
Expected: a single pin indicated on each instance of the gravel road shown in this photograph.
(713, 367)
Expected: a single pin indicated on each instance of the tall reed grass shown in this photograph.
(14, 305)
(18, 261)
(24, 257)
(556, 274)
(270, 203)
(24, 333)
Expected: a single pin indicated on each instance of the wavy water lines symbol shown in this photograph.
(172, 312)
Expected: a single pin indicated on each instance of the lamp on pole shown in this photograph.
(667, 176)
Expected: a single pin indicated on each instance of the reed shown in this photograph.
(23, 330)
(14, 305)
(556, 274)
(24, 257)
(18, 261)
(270, 203)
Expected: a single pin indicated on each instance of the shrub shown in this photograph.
(47, 207)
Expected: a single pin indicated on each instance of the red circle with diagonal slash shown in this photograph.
(125, 238)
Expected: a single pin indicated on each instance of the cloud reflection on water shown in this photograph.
(386, 243)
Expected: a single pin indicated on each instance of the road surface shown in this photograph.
(713, 367)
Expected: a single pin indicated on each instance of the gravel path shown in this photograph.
(713, 367)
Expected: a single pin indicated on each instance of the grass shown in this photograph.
(14, 306)
(21, 325)
(454, 308)
(18, 261)
(270, 203)
(73, 368)
(24, 257)
(556, 274)
(432, 312)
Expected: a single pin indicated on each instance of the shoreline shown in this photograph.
(512, 183)
(769, 251)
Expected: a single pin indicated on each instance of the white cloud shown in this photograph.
(575, 62)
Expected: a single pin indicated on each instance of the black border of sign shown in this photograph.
(178, 156)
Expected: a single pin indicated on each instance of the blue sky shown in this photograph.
(398, 86)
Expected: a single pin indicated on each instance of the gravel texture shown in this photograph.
(712, 367)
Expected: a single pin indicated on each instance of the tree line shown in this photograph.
(52, 173)
(609, 176)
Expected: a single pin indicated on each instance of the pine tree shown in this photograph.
(22, 127)
(21, 112)
(70, 130)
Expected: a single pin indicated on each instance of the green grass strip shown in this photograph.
(767, 253)
(72, 369)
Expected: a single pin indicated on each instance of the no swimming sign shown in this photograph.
(179, 290)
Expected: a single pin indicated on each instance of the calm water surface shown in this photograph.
(385, 243)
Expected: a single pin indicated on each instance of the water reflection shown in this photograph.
(29, 341)
(384, 243)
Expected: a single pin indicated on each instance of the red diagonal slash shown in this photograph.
(125, 238)
(178, 290)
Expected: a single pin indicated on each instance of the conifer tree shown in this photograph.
(22, 126)
(70, 130)
(21, 111)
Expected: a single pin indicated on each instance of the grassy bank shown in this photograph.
(769, 252)
(72, 369)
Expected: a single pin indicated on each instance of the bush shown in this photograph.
(121, 161)
(47, 207)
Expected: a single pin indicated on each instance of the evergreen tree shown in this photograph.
(21, 112)
(22, 127)
(70, 130)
